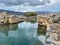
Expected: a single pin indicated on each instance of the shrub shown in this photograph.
(27, 14)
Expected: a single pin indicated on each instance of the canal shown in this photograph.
(24, 33)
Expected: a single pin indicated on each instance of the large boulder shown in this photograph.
(13, 19)
(44, 20)
(8, 18)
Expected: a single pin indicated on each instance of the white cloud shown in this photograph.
(52, 2)
(19, 2)
(41, 0)
(24, 7)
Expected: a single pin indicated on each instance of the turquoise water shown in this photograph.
(24, 33)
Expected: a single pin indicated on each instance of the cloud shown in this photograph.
(21, 8)
(31, 2)
(29, 5)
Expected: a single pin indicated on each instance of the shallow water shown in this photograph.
(24, 33)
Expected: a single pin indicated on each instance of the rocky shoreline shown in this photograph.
(6, 18)
(53, 28)
(10, 19)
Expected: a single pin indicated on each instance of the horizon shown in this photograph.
(28, 11)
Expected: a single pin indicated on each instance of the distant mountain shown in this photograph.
(22, 13)
(12, 12)
(44, 12)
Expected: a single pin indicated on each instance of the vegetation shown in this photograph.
(27, 14)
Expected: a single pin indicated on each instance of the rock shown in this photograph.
(7, 18)
(13, 19)
(44, 20)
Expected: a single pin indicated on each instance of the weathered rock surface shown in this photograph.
(14, 19)
(6, 18)
(44, 20)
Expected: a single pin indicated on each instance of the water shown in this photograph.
(24, 33)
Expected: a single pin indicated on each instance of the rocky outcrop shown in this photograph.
(6, 18)
(13, 19)
(44, 20)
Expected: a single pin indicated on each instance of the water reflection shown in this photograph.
(5, 28)
(24, 33)
(41, 30)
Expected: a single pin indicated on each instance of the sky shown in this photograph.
(30, 5)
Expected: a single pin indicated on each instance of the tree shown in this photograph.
(27, 14)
